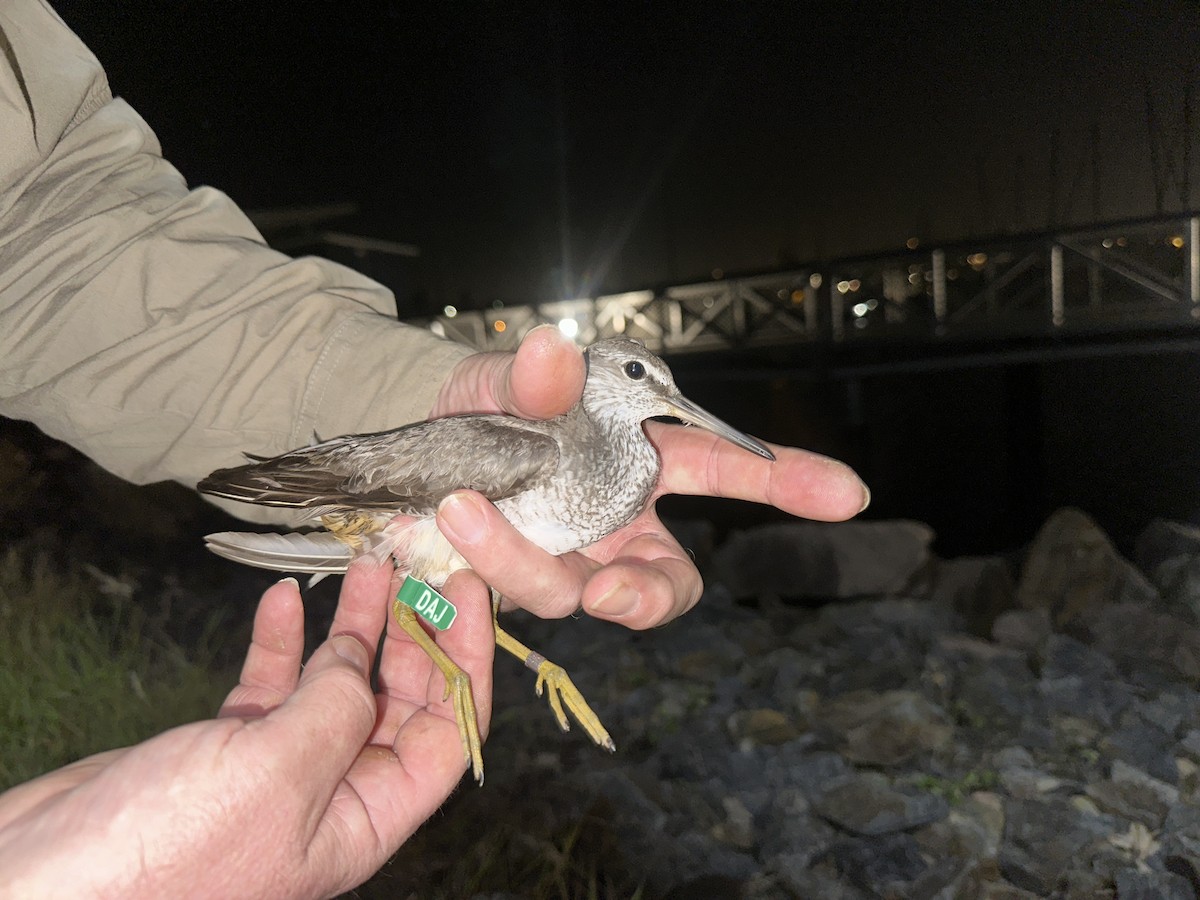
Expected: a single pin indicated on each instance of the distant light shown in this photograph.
(718, 274)
(449, 311)
(1177, 242)
(499, 325)
(1122, 242)
(977, 261)
(872, 303)
(914, 277)
(860, 309)
(497, 304)
(1107, 243)
(798, 296)
(912, 243)
(814, 280)
(569, 327)
(855, 284)
(843, 287)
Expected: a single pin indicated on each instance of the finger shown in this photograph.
(548, 586)
(272, 664)
(364, 600)
(543, 378)
(799, 482)
(649, 581)
(324, 724)
(546, 375)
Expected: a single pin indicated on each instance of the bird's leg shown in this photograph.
(458, 684)
(562, 689)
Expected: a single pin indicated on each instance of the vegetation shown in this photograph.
(86, 667)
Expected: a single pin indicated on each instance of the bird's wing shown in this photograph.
(408, 470)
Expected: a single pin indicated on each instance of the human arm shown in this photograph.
(149, 325)
(304, 785)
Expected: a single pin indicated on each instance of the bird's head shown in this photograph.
(628, 383)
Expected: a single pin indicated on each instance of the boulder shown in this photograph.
(822, 560)
(1072, 569)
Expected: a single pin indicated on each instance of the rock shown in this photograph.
(1150, 885)
(738, 827)
(762, 726)
(1042, 838)
(1169, 553)
(813, 559)
(1134, 795)
(1143, 747)
(868, 805)
(978, 588)
(1022, 629)
(1072, 568)
(885, 729)
(1079, 680)
(1156, 647)
(881, 866)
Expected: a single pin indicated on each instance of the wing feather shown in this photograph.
(408, 469)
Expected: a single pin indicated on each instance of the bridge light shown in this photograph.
(860, 309)
(977, 261)
(449, 311)
(568, 327)
(843, 287)
(1177, 242)
(797, 296)
(912, 243)
(499, 325)
(814, 280)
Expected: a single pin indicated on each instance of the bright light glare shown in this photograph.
(860, 309)
(449, 311)
(499, 325)
(569, 327)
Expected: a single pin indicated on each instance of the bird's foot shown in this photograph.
(458, 687)
(562, 691)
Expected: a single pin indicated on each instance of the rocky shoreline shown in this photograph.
(986, 727)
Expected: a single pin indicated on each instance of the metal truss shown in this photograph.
(1124, 276)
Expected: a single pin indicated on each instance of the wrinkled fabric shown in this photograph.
(149, 325)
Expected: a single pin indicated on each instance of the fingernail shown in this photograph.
(866, 497)
(462, 516)
(616, 602)
(348, 647)
(293, 581)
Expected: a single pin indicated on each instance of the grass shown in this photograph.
(84, 668)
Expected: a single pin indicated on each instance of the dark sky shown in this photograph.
(537, 150)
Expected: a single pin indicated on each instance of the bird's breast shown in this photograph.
(587, 501)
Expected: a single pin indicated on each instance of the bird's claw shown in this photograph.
(562, 690)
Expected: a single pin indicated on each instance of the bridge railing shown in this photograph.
(1118, 276)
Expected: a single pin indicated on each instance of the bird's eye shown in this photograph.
(635, 370)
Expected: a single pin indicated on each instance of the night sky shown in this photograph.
(537, 151)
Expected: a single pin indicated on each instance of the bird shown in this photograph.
(564, 483)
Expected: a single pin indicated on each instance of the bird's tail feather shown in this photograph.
(316, 553)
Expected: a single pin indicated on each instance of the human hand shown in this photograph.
(639, 576)
(302, 787)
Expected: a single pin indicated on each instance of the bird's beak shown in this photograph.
(687, 411)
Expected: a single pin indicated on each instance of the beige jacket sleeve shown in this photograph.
(150, 326)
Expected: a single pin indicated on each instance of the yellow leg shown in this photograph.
(458, 684)
(562, 689)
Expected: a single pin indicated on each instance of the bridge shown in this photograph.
(1120, 287)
